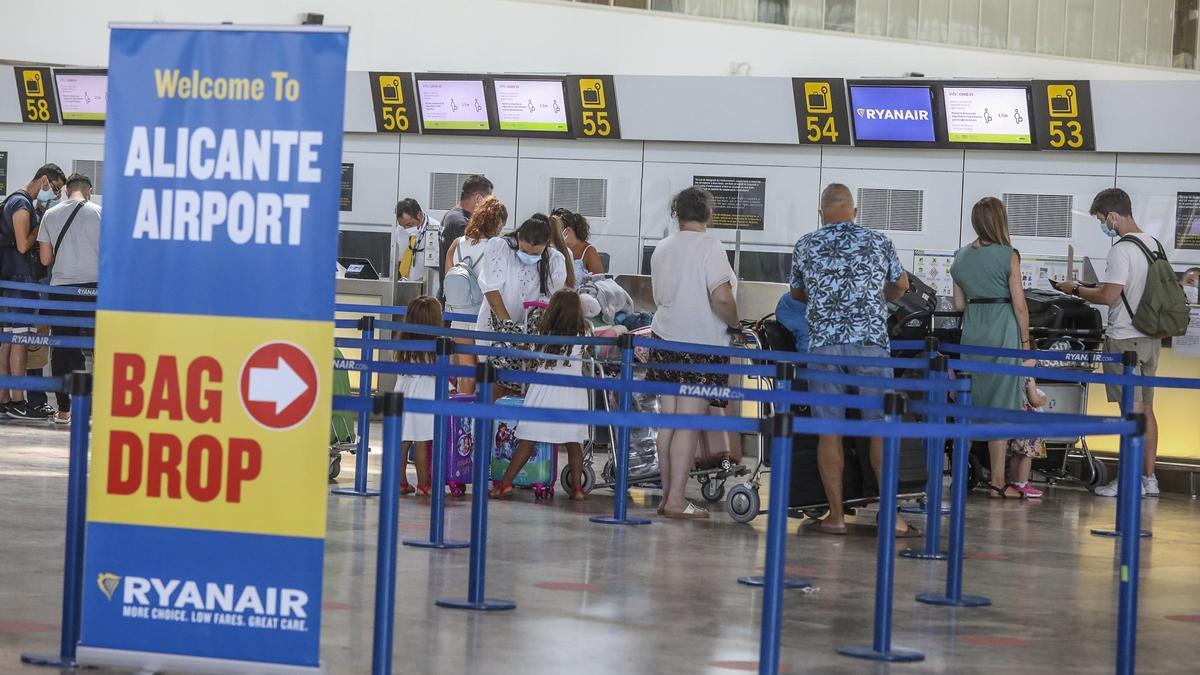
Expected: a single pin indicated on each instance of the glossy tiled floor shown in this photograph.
(662, 598)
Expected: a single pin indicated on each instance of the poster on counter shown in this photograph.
(1187, 220)
(1188, 344)
(933, 267)
(739, 203)
(207, 494)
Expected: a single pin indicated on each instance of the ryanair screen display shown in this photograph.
(892, 114)
(987, 115)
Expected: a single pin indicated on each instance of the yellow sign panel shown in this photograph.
(817, 98)
(1062, 98)
(34, 88)
(591, 92)
(181, 440)
(390, 90)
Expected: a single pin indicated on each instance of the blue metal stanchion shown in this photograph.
(621, 447)
(367, 325)
(437, 459)
(485, 434)
(389, 516)
(935, 459)
(779, 429)
(958, 521)
(881, 648)
(1130, 552)
(79, 385)
(781, 476)
(932, 344)
(1125, 479)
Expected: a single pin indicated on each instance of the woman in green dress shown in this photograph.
(988, 289)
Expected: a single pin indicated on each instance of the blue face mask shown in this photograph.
(1106, 229)
(528, 258)
(47, 195)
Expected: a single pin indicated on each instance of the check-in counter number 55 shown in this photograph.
(818, 131)
(595, 123)
(1066, 133)
(395, 118)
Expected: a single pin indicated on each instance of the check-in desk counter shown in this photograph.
(755, 299)
(381, 292)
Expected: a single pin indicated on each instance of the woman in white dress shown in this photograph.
(485, 224)
(417, 428)
(564, 316)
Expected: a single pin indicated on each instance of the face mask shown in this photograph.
(528, 258)
(1107, 230)
(47, 195)
(1193, 295)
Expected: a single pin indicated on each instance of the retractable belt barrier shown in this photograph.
(48, 290)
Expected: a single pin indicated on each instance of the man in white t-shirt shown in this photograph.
(1125, 281)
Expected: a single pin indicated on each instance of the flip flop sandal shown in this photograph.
(820, 527)
(910, 533)
(1001, 491)
(690, 512)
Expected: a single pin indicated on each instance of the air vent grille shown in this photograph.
(891, 210)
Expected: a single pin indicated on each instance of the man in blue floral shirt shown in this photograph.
(846, 274)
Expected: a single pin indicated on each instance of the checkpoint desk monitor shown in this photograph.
(358, 268)
(530, 106)
(988, 115)
(455, 104)
(82, 95)
(893, 114)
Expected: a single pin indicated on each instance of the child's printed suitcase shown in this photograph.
(460, 449)
(539, 472)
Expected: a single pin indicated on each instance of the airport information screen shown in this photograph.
(459, 105)
(987, 115)
(82, 96)
(531, 105)
(894, 114)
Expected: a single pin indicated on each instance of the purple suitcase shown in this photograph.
(460, 449)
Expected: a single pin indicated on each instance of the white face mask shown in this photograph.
(1193, 294)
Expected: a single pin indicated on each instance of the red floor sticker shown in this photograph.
(334, 605)
(26, 627)
(981, 555)
(1185, 618)
(993, 641)
(569, 586)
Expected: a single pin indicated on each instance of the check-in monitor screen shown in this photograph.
(987, 115)
(531, 105)
(893, 113)
(458, 105)
(82, 96)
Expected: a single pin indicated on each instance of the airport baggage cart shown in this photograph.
(343, 435)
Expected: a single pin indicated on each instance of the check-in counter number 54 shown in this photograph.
(395, 118)
(818, 131)
(595, 123)
(1066, 133)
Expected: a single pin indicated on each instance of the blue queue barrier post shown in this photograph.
(881, 648)
(437, 459)
(779, 429)
(958, 519)
(366, 325)
(1130, 551)
(79, 385)
(781, 476)
(1125, 479)
(621, 447)
(932, 345)
(389, 516)
(935, 462)
(485, 436)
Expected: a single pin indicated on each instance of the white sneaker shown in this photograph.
(1150, 486)
(1110, 490)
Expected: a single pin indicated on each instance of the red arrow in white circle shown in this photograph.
(279, 385)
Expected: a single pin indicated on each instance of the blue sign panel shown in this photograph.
(896, 114)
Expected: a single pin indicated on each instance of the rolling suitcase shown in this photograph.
(342, 424)
(460, 449)
(539, 472)
(910, 316)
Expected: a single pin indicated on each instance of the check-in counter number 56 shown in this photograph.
(395, 118)
(595, 123)
(1066, 133)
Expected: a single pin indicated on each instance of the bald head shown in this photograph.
(837, 204)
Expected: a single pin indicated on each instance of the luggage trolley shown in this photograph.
(1069, 398)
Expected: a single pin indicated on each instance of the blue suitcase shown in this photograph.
(539, 472)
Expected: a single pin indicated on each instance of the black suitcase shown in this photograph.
(1054, 316)
(910, 316)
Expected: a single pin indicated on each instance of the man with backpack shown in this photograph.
(19, 219)
(69, 245)
(1145, 304)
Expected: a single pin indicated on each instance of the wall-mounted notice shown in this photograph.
(740, 203)
(82, 95)
(933, 267)
(1188, 344)
(1187, 220)
(453, 105)
(987, 115)
(537, 106)
(35, 90)
(3, 172)
(346, 201)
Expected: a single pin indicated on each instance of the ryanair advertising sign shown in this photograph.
(207, 488)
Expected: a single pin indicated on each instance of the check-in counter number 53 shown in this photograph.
(395, 118)
(595, 123)
(1066, 133)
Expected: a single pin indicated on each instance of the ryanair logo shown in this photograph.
(108, 584)
(705, 391)
(896, 114)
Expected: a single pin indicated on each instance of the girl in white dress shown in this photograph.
(418, 428)
(564, 316)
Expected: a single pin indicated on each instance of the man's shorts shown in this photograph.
(26, 295)
(861, 351)
(1147, 353)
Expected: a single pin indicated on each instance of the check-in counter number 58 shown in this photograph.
(1068, 133)
(395, 118)
(37, 110)
(595, 123)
